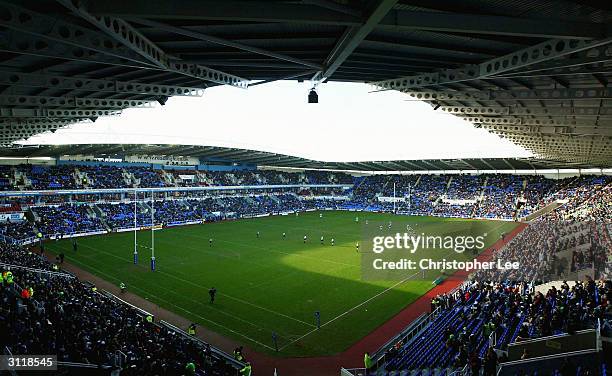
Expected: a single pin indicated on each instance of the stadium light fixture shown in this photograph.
(313, 97)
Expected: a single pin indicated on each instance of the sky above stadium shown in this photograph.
(348, 124)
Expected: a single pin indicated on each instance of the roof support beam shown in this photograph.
(124, 33)
(289, 77)
(58, 82)
(259, 11)
(494, 25)
(21, 43)
(332, 5)
(597, 55)
(223, 42)
(542, 52)
(487, 164)
(553, 130)
(54, 29)
(465, 162)
(542, 120)
(70, 102)
(52, 113)
(508, 164)
(351, 38)
(511, 95)
(526, 111)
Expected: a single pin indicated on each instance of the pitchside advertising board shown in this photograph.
(13, 217)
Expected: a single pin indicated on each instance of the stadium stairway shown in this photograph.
(144, 207)
(101, 215)
(129, 178)
(22, 180)
(545, 210)
(91, 213)
(81, 178)
(98, 212)
(168, 179)
(32, 216)
(358, 181)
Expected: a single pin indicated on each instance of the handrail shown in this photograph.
(493, 339)
(462, 371)
(7, 351)
(539, 339)
(115, 297)
(402, 334)
(83, 365)
(120, 358)
(352, 371)
(238, 364)
(11, 240)
(35, 270)
(545, 357)
(408, 333)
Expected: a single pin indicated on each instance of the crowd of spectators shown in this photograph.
(146, 177)
(107, 176)
(591, 202)
(104, 177)
(16, 230)
(481, 196)
(7, 175)
(43, 313)
(466, 196)
(506, 196)
(537, 190)
(554, 250)
(44, 177)
(66, 219)
(69, 218)
(465, 187)
(500, 197)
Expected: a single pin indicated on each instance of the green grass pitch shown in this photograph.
(268, 284)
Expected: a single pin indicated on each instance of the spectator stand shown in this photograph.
(120, 357)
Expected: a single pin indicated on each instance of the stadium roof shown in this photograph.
(535, 72)
(217, 154)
